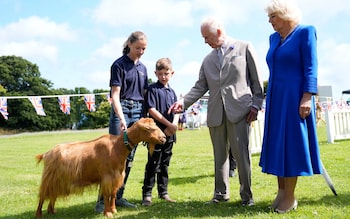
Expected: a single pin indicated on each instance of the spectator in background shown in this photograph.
(319, 111)
(182, 119)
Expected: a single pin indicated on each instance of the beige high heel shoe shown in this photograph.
(293, 207)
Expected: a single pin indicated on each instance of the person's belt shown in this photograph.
(131, 102)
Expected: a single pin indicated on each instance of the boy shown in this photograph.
(159, 98)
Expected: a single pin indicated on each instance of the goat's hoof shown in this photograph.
(51, 212)
(109, 214)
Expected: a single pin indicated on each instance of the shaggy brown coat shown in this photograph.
(69, 167)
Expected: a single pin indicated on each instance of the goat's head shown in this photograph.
(146, 130)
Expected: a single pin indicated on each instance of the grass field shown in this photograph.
(191, 182)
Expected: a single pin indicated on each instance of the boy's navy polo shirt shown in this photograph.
(161, 98)
(132, 78)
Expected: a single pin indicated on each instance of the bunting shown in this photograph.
(38, 106)
(64, 103)
(90, 102)
(3, 107)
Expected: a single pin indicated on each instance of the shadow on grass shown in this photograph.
(187, 180)
(160, 209)
(184, 209)
(85, 210)
(339, 201)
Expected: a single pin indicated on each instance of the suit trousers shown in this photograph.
(235, 135)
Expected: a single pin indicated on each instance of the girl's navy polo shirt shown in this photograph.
(132, 78)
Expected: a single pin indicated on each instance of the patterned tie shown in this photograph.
(220, 55)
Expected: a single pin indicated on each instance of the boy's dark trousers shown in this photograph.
(157, 164)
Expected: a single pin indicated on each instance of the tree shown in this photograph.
(19, 77)
(2, 90)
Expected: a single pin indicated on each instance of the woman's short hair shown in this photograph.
(286, 10)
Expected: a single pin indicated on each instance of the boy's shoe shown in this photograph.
(147, 201)
(167, 198)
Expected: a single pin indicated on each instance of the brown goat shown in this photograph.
(70, 167)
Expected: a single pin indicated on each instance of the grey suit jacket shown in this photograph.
(233, 88)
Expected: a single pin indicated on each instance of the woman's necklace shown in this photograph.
(290, 31)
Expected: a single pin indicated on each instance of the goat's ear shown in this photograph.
(149, 128)
(142, 123)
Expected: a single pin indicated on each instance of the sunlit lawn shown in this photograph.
(191, 182)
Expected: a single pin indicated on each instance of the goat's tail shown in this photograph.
(38, 158)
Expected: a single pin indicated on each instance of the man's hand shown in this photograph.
(252, 115)
(176, 108)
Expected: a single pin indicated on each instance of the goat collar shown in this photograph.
(127, 143)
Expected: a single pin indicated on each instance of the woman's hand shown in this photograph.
(123, 125)
(305, 105)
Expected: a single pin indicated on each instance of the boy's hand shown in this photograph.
(170, 130)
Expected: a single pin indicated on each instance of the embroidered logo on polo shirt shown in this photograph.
(141, 73)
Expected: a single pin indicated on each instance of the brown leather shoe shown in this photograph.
(167, 198)
(147, 201)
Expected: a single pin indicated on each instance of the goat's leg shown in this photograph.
(107, 211)
(113, 207)
(106, 191)
(51, 206)
(39, 212)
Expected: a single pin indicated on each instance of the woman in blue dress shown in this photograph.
(290, 144)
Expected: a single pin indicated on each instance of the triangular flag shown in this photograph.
(64, 102)
(38, 106)
(3, 107)
(90, 102)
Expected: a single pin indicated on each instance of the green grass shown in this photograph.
(191, 182)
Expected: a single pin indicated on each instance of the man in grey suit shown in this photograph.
(235, 97)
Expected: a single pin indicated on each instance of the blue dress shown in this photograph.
(290, 144)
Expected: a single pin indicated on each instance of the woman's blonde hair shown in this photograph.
(286, 10)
